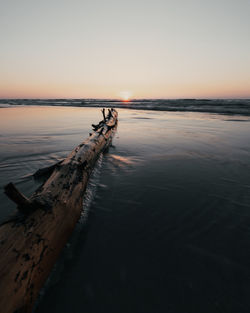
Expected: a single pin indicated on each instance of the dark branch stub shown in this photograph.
(110, 113)
(24, 205)
(97, 126)
(104, 117)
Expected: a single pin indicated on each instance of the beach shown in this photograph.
(166, 227)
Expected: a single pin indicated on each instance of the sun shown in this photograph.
(125, 95)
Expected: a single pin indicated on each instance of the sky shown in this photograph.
(111, 48)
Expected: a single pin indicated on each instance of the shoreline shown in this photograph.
(221, 106)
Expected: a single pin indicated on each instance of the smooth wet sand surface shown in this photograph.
(169, 225)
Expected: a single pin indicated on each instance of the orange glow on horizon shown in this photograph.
(57, 90)
(126, 96)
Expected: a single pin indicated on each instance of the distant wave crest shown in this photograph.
(220, 106)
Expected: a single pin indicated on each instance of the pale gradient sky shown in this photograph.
(100, 48)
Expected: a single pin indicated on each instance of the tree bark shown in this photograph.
(31, 242)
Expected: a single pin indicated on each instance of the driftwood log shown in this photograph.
(31, 242)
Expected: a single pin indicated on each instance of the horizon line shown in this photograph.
(132, 99)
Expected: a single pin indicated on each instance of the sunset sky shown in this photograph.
(144, 48)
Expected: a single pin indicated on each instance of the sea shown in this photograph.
(165, 226)
(223, 106)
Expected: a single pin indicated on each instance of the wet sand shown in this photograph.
(168, 226)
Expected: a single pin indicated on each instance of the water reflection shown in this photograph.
(169, 224)
(172, 234)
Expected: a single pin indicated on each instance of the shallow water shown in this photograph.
(36, 137)
(169, 225)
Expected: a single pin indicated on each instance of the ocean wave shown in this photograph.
(219, 106)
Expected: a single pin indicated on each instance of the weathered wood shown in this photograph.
(29, 247)
(46, 171)
(23, 203)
